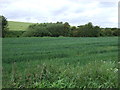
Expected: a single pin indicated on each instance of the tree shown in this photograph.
(72, 31)
(116, 32)
(3, 26)
(73, 28)
(66, 29)
(88, 30)
(56, 30)
(96, 31)
(108, 32)
(36, 30)
(85, 30)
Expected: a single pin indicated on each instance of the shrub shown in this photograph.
(56, 29)
(106, 32)
(116, 32)
(14, 33)
(36, 30)
(88, 30)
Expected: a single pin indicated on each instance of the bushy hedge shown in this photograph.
(56, 29)
(64, 29)
(14, 33)
(36, 30)
(87, 30)
(50, 29)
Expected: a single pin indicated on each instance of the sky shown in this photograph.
(77, 12)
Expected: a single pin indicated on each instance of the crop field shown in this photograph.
(18, 26)
(60, 62)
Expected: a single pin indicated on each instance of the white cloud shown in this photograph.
(76, 12)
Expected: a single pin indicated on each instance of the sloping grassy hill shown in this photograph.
(18, 26)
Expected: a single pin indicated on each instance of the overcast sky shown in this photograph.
(77, 12)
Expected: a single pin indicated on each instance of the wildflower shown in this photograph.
(103, 61)
(115, 70)
(110, 68)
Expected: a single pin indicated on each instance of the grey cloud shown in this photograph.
(4, 3)
(79, 10)
(60, 11)
(107, 4)
(17, 14)
(66, 13)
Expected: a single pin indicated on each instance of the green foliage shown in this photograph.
(47, 29)
(59, 29)
(116, 32)
(56, 29)
(63, 62)
(36, 30)
(87, 30)
(96, 31)
(3, 26)
(14, 33)
(73, 31)
(97, 74)
(66, 29)
(108, 32)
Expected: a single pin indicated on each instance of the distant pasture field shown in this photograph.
(60, 62)
(18, 26)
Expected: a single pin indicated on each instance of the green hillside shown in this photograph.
(18, 26)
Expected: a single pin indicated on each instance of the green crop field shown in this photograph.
(60, 62)
(18, 26)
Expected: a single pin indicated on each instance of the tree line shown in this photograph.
(59, 29)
